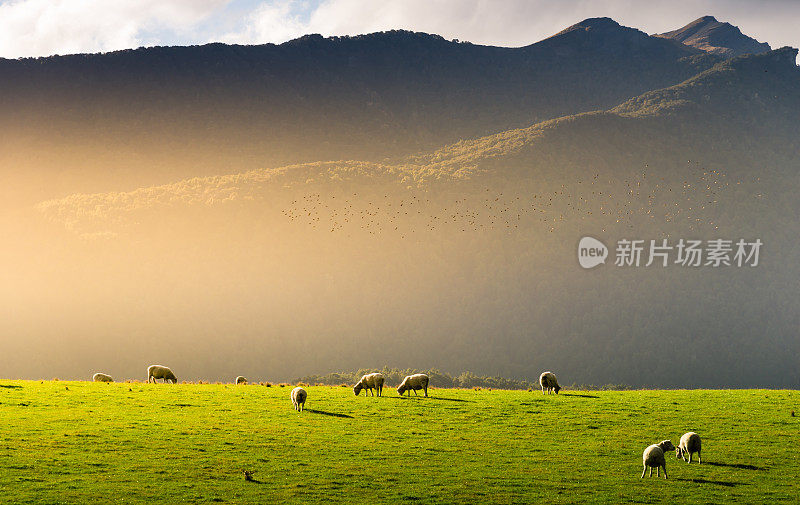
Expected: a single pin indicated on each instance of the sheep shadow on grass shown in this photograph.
(716, 482)
(739, 466)
(579, 395)
(332, 414)
(420, 397)
(10, 386)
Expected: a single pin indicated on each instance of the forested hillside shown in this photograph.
(126, 119)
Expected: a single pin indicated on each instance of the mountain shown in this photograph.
(115, 121)
(711, 36)
(462, 257)
(750, 104)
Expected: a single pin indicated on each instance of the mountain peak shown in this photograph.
(593, 24)
(712, 36)
(606, 36)
(603, 22)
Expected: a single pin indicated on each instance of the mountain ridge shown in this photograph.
(707, 94)
(145, 116)
(709, 35)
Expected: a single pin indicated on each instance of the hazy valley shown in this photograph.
(210, 228)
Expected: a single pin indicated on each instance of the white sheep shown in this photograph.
(299, 396)
(689, 444)
(241, 380)
(549, 383)
(414, 382)
(653, 456)
(102, 377)
(369, 382)
(160, 372)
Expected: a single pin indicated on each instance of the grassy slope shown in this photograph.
(190, 442)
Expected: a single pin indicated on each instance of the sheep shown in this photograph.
(653, 456)
(414, 382)
(690, 443)
(299, 396)
(549, 383)
(160, 372)
(102, 377)
(241, 380)
(369, 382)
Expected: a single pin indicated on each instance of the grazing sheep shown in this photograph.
(549, 383)
(299, 396)
(160, 372)
(369, 382)
(102, 377)
(414, 382)
(653, 456)
(241, 380)
(690, 443)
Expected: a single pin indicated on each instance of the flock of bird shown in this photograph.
(601, 201)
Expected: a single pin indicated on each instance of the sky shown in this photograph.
(47, 27)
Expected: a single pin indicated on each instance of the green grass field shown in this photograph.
(74, 442)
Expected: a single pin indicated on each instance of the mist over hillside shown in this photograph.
(458, 257)
(134, 118)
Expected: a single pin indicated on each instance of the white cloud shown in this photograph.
(44, 27)
(510, 22)
(269, 22)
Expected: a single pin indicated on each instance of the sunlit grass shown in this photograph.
(134, 443)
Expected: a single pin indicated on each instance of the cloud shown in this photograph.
(44, 27)
(508, 22)
(269, 22)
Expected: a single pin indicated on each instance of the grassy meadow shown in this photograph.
(76, 442)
